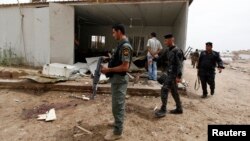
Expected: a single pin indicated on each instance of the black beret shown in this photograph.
(209, 43)
(168, 36)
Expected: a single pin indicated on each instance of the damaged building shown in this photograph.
(45, 32)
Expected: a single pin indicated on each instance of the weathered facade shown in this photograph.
(40, 33)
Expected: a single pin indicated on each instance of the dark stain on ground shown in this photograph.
(43, 108)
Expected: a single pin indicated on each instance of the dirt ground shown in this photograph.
(229, 105)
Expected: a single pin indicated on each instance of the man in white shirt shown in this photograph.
(154, 47)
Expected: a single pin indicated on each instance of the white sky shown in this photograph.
(226, 23)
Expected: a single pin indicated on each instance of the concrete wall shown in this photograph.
(48, 34)
(180, 27)
(29, 47)
(61, 33)
(88, 31)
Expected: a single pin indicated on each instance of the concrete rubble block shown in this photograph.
(57, 69)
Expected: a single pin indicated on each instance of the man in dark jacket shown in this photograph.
(173, 58)
(206, 68)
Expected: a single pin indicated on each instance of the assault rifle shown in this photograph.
(97, 76)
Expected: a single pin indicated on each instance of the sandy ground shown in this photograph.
(229, 105)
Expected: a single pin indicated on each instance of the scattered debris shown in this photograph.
(41, 109)
(130, 77)
(155, 108)
(42, 116)
(127, 96)
(83, 129)
(49, 116)
(16, 100)
(83, 97)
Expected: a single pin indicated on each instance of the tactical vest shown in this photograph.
(170, 60)
(117, 60)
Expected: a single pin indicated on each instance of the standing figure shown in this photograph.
(195, 58)
(206, 68)
(154, 47)
(117, 72)
(174, 58)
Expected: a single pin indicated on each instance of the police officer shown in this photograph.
(173, 56)
(206, 68)
(117, 71)
(195, 58)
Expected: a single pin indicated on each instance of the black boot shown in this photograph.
(177, 111)
(212, 92)
(161, 113)
(204, 96)
(177, 100)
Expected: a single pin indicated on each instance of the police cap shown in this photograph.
(209, 44)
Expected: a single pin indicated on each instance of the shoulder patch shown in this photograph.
(125, 51)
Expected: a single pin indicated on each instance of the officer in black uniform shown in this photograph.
(173, 57)
(206, 68)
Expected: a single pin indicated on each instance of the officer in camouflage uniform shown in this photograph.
(174, 58)
(194, 58)
(206, 68)
(117, 71)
